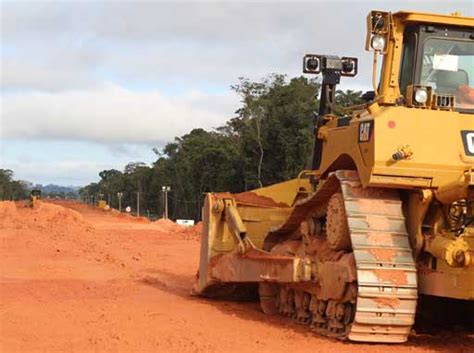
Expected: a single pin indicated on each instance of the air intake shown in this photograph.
(443, 101)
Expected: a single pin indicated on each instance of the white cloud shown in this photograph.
(111, 114)
(72, 45)
(18, 74)
(77, 172)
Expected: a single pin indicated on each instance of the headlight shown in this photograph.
(421, 95)
(312, 64)
(377, 43)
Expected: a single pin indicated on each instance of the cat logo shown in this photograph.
(365, 130)
(468, 142)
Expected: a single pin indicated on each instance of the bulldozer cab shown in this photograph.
(35, 194)
(441, 58)
(428, 60)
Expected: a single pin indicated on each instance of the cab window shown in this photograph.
(408, 61)
(448, 67)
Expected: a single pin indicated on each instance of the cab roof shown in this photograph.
(426, 17)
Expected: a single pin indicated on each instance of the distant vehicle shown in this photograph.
(35, 194)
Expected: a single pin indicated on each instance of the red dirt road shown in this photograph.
(90, 281)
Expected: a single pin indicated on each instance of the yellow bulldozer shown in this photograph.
(385, 213)
(35, 195)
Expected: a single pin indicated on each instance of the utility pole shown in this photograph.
(163, 199)
(119, 195)
(138, 203)
(108, 200)
(165, 190)
(166, 202)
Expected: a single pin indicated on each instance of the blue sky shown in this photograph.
(92, 85)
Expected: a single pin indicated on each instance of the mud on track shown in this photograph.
(77, 279)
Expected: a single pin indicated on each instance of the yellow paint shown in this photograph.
(284, 192)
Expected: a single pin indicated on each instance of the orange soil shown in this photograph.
(187, 232)
(77, 279)
(390, 302)
(380, 238)
(386, 255)
(397, 277)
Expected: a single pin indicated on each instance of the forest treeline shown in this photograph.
(268, 140)
(11, 189)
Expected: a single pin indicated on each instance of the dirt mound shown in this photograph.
(130, 217)
(7, 207)
(193, 232)
(168, 226)
(45, 216)
(8, 215)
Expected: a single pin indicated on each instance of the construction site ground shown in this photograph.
(78, 279)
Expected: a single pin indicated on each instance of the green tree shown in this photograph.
(346, 99)
(11, 189)
(268, 140)
(195, 163)
(274, 127)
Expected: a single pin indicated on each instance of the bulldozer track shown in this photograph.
(386, 272)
